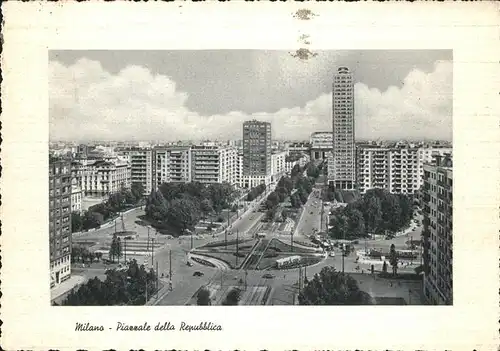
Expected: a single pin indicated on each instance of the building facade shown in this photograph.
(426, 155)
(278, 161)
(342, 168)
(398, 170)
(239, 169)
(76, 198)
(257, 150)
(373, 168)
(298, 147)
(437, 205)
(141, 167)
(213, 164)
(103, 178)
(321, 144)
(403, 168)
(59, 221)
(295, 159)
(171, 164)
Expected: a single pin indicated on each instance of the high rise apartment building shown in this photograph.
(373, 168)
(141, 166)
(437, 205)
(342, 166)
(213, 164)
(398, 170)
(403, 168)
(257, 150)
(59, 221)
(171, 164)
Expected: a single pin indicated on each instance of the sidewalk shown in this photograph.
(73, 282)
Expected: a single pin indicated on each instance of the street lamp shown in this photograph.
(147, 248)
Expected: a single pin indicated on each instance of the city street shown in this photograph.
(310, 220)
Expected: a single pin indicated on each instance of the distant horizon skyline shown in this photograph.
(226, 140)
(174, 95)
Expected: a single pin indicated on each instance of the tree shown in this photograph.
(286, 183)
(373, 213)
(91, 220)
(220, 194)
(312, 171)
(391, 212)
(206, 207)
(115, 249)
(356, 224)
(273, 198)
(393, 259)
(76, 222)
(98, 255)
(157, 206)
(281, 194)
(203, 297)
(232, 297)
(295, 201)
(329, 287)
(271, 213)
(295, 170)
(302, 195)
(137, 190)
(119, 288)
(183, 214)
(284, 214)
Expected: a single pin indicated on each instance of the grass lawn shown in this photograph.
(229, 258)
(280, 246)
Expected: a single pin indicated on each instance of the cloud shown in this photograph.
(421, 108)
(88, 103)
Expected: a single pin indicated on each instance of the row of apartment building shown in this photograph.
(153, 166)
(201, 163)
(399, 170)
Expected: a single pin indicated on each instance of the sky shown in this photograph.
(200, 95)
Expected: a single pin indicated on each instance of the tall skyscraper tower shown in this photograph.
(343, 174)
(257, 149)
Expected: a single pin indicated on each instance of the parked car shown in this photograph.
(268, 276)
(198, 274)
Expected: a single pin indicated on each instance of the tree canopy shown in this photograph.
(124, 287)
(376, 212)
(99, 213)
(232, 297)
(181, 205)
(203, 297)
(329, 287)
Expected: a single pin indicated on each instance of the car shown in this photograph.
(189, 264)
(268, 276)
(198, 274)
(311, 212)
